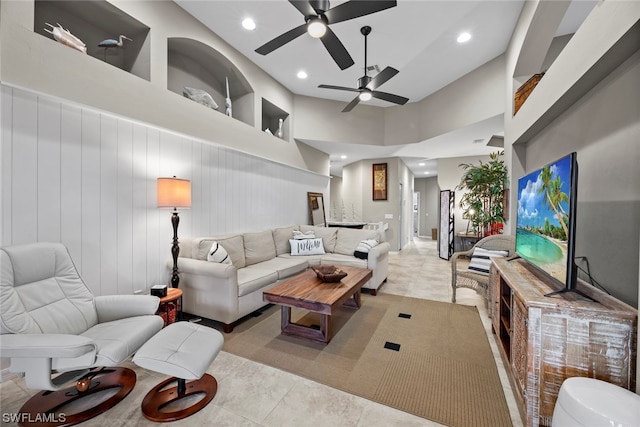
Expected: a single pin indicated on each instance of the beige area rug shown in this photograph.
(443, 370)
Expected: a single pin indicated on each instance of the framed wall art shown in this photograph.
(379, 171)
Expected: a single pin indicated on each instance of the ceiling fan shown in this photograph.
(318, 16)
(367, 85)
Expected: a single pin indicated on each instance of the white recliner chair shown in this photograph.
(59, 335)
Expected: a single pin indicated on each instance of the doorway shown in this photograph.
(416, 216)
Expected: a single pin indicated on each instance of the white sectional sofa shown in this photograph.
(228, 292)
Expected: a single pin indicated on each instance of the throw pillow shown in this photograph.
(362, 250)
(299, 235)
(306, 247)
(218, 254)
(481, 260)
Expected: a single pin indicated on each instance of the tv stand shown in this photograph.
(544, 340)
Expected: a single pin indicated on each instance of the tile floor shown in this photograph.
(251, 394)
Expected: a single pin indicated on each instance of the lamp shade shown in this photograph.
(174, 193)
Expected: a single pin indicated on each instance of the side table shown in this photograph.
(170, 307)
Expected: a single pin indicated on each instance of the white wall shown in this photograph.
(86, 178)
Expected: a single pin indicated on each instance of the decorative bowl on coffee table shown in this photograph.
(329, 273)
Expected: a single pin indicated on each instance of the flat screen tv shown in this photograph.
(546, 222)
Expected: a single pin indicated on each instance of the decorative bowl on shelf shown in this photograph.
(329, 273)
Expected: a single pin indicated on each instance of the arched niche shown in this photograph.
(197, 65)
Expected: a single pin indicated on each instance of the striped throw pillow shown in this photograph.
(218, 254)
(481, 260)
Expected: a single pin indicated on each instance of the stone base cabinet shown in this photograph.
(548, 339)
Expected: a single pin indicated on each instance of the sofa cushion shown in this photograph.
(258, 247)
(281, 238)
(328, 235)
(339, 259)
(306, 247)
(348, 239)
(253, 278)
(311, 260)
(234, 246)
(286, 267)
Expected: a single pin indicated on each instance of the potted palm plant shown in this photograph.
(484, 186)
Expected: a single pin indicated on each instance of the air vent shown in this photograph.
(373, 68)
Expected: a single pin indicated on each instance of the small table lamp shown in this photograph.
(174, 193)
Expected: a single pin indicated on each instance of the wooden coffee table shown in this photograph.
(306, 291)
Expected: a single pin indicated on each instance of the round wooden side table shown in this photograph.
(174, 295)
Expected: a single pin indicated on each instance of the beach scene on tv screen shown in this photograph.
(543, 217)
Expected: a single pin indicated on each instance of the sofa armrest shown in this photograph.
(114, 307)
(207, 268)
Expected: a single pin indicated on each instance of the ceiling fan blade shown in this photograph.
(354, 9)
(336, 49)
(350, 89)
(282, 39)
(396, 99)
(304, 7)
(352, 104)
(382, 77)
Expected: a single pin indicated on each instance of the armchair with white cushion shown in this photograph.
(59, 335)
(463, 272)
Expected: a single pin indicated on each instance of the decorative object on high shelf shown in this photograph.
(109, 43)
(65, 37)
(484, 185)
(379, 171)
(200, 96)
(279, 132)
(227, 100)
(267, 130)
(174, 193)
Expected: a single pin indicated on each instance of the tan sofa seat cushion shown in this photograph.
(348, 239)
(285, 267)
(258, 247)
(253, 278)
(339, 259)
(311, 260)
(328, 235)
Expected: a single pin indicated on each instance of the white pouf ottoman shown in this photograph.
(183, 350)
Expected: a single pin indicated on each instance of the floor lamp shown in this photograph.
(174, 193)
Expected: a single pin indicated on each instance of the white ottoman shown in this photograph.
(183, 350)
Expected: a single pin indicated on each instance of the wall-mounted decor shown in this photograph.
(379, 181)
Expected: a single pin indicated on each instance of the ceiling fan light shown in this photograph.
(316, 28)
(364, 96)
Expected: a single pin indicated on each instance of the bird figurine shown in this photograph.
(108, 43)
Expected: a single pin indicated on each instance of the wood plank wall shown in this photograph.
(87, 179)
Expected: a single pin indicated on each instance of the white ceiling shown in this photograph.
(417, 37)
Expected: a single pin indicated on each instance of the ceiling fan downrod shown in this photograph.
(364, 80)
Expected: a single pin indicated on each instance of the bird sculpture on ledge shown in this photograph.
(109, 43)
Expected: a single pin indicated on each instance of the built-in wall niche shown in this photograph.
(271, 116)
(196, 65)
(95, 21)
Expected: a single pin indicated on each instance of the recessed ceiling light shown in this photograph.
(343, 157)
(420, 164)
(302, 74)
(426, 172)
(248, 24)
(464, 37)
